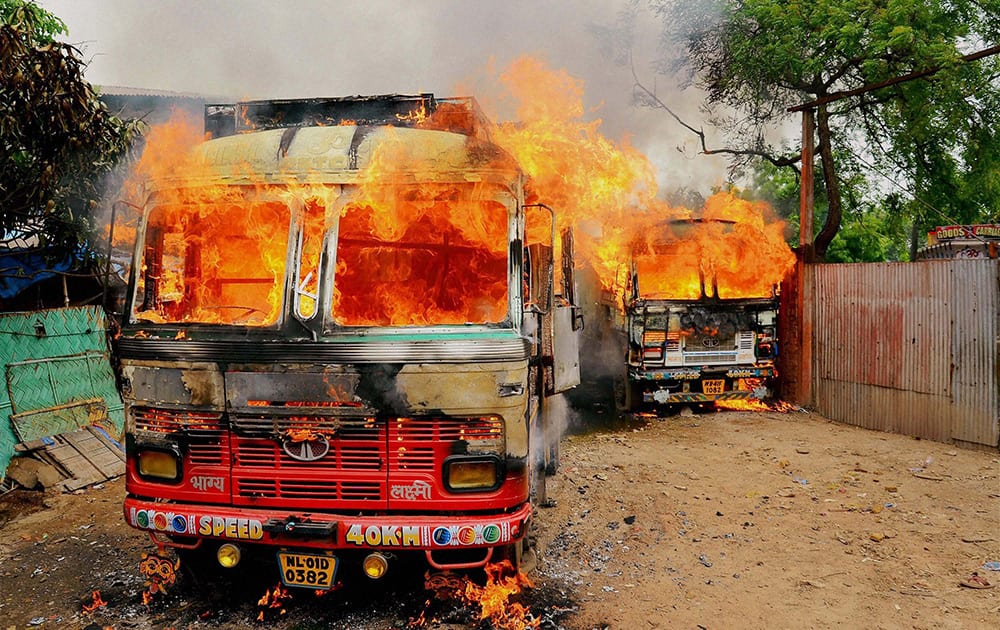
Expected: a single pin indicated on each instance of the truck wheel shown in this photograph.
(198, 568)
(633, 397)
(552, 461)
(537, 489)
(522, 555)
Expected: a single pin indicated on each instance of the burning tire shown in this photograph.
(522, 555)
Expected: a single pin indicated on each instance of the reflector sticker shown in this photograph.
(218, 526)
(425, 536)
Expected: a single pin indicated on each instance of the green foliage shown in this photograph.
(57, 138)
(934, 137)
(861, 239)
(871, 230)
(25, 15)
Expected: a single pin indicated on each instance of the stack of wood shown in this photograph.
(69, 461)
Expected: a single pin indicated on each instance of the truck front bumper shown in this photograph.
(325, 531)
(668, 386)
(664, 397)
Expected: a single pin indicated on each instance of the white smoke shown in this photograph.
(309, 48)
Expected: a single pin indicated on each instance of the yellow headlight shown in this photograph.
(375, 565)
(159, 464)
(228, 555)
(473, 474)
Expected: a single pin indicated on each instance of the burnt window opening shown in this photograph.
(213, 262)
(416, 256)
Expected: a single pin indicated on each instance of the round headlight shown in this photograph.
(375, 565)
(228, 555)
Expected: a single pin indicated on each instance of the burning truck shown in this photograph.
(342, 325)
(701, 313)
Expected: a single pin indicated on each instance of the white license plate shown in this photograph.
(307, 570)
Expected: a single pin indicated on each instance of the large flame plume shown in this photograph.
(416, 250)
(419, 252)
(608, 193)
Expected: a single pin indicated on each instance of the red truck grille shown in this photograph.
(351, 475)
(206, 440)
(307, 490)
(421, 444)
(265, 453)
(365, 458)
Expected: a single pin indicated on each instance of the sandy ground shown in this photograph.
(773, 521)
(721, 520)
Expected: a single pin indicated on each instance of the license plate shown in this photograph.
(713, 387)
(307, 570)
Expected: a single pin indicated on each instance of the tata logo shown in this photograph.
(310, 450)
(710, 342)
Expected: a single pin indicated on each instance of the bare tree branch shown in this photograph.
(649, 98)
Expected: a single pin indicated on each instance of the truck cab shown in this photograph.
(330, 354)
(687, 344)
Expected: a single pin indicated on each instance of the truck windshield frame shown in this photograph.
(445, 256)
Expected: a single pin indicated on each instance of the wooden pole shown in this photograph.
(807, 184)
(804, 294)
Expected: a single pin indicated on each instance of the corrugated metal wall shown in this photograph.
(909, 347)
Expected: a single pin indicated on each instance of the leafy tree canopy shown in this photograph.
(56, 137)
(933, 137)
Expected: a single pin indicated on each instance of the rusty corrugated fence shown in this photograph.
(909, 347)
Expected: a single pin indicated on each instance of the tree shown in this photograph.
(934, 136)
(871, 230)
(56, 137)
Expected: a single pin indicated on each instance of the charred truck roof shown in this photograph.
(455, 114)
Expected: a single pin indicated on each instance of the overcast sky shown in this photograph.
(305, 48)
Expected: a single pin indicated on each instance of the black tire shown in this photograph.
(537, 485)
(632, 397)
(198, 568)
(552, 457)
(522, 555)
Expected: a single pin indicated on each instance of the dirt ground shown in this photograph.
(721, 520)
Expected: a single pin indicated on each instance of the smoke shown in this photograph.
(308, 48)
(557, 416)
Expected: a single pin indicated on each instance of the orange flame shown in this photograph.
(492, 599)
(302, 435)
(502, 582)
(608, 192)
(414, 249)
(96, 602)
(272, 601)
(419, 253)
(753, 404)
(410, 252)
